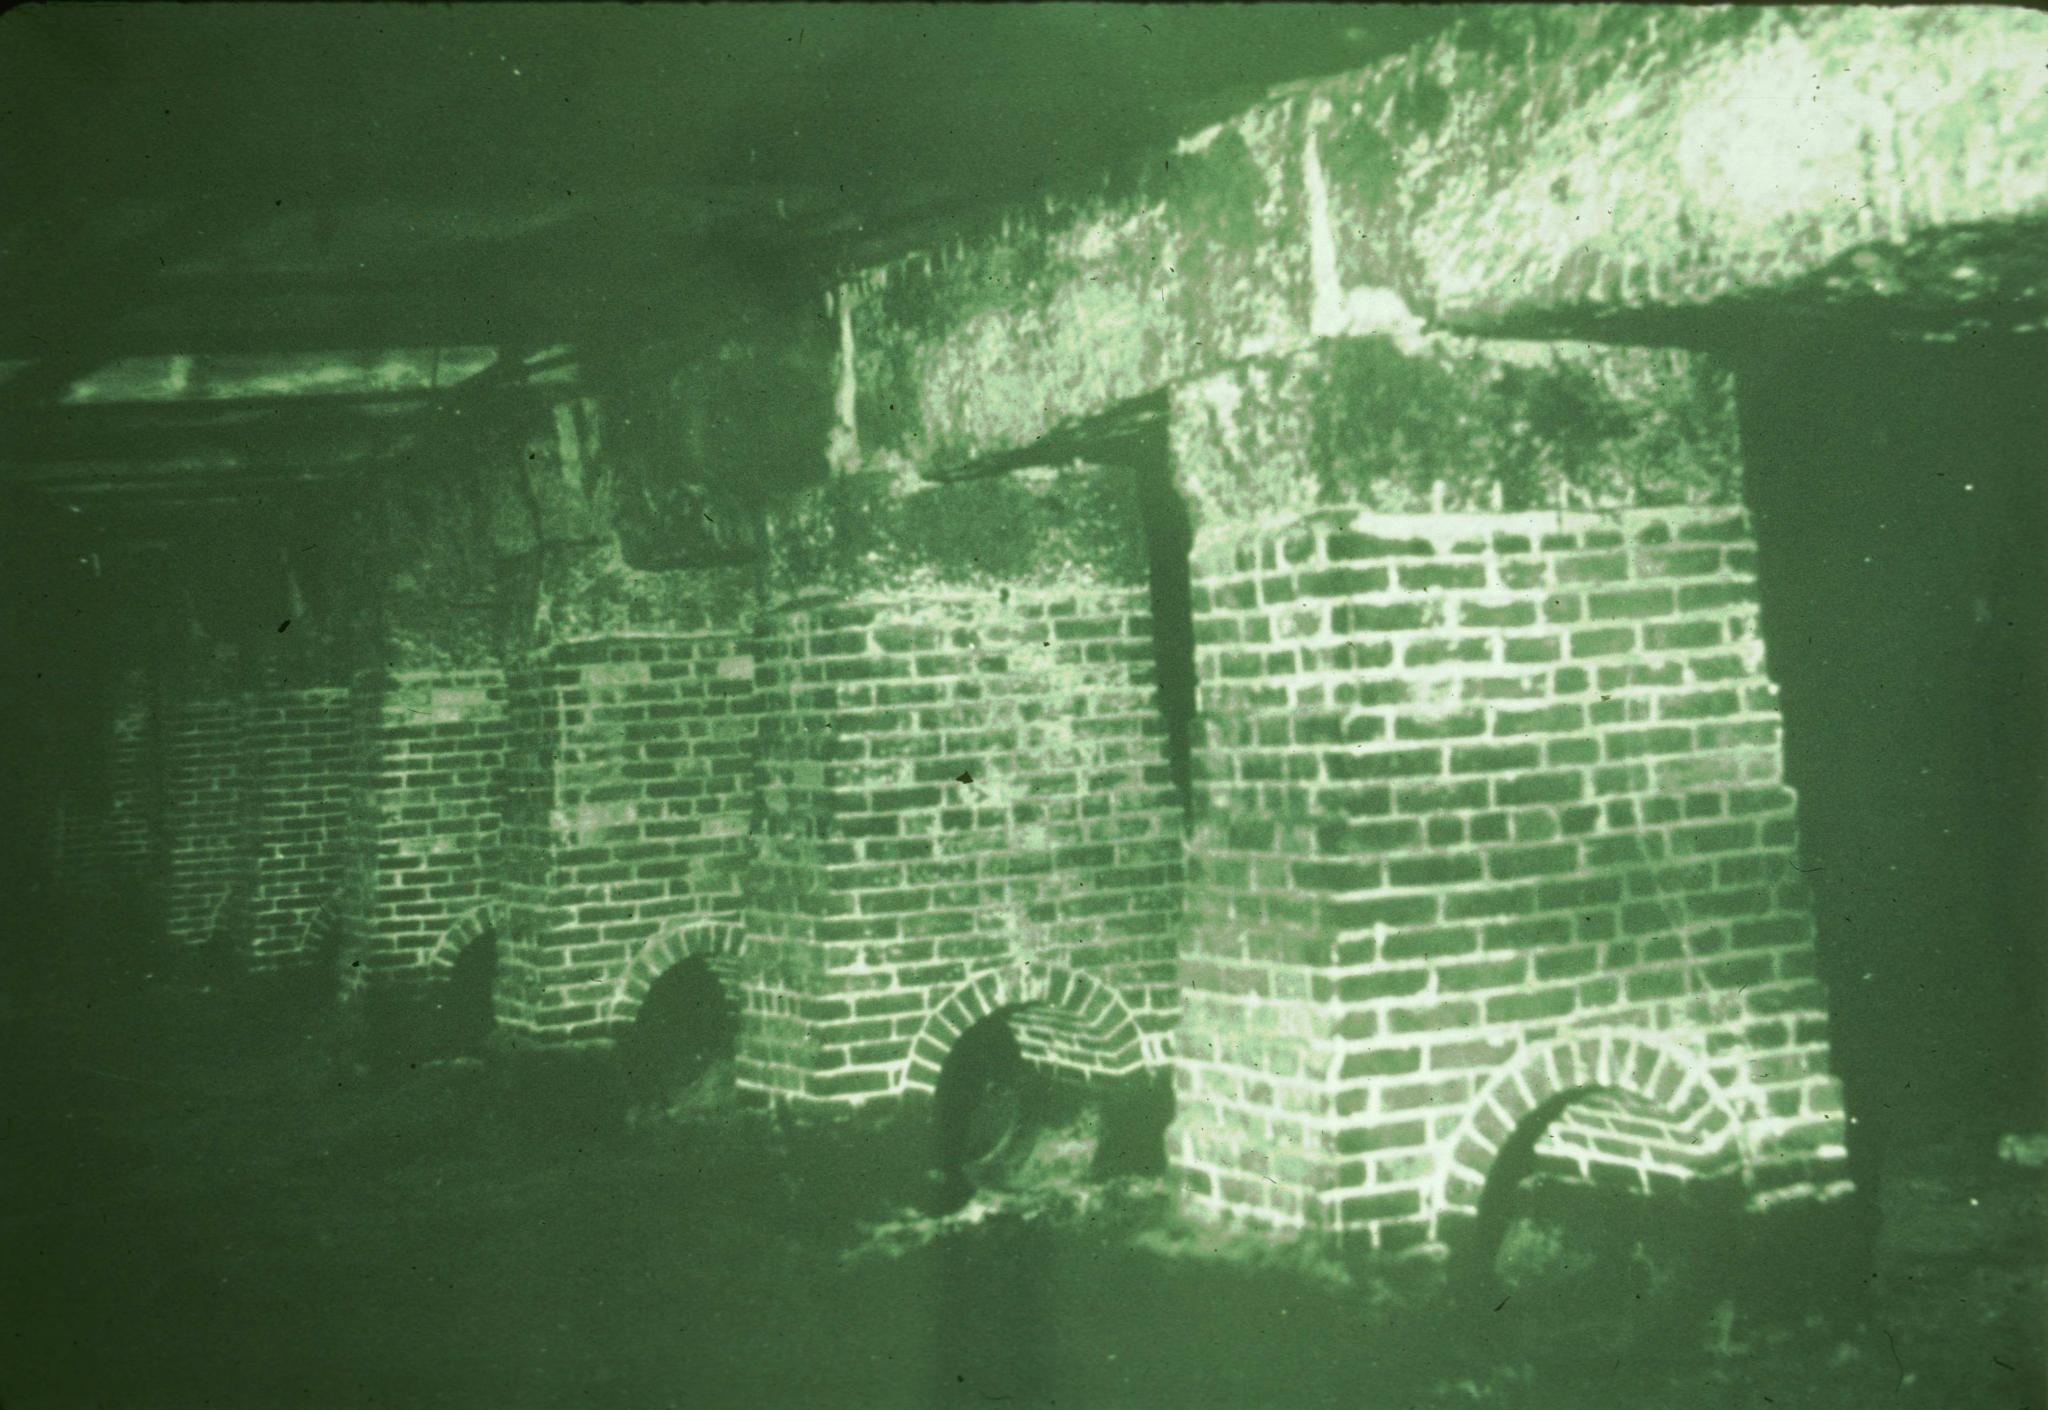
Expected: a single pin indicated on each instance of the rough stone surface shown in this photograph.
(1046, 528)
(1427, 423)
(1635, 173)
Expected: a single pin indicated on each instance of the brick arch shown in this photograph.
(320, 923)
(1086, 1017)
(1654, 1070)
(719, 942)
(330, 923)
(489, 916)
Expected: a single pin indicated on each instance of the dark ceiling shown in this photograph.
(190, 176)
(272, 179)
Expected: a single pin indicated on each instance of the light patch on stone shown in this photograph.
(1223, 395)
(843, 450)
(1531, 523)
(229, 376)
(1200, 142)
(568, 444)
(592, 819)
(1769, 139)
(1326, 314)
(1370, 312)
(1098, 241)
(1764, 163)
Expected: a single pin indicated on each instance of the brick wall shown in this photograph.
(207, 875)
(627, 814)
(961, 784)
(1490, 810)
(429, 763)
(295, 747)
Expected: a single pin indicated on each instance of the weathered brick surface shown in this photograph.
(627, 812)
(430, 759)
(968, 784)
(296, 745)
(1469, 783)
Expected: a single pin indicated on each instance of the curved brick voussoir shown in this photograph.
(489, 917)
(1067, 1019)
(327, 927)
(721, 943)
(1657, 1080)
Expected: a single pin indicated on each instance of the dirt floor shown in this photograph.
(206, 1207)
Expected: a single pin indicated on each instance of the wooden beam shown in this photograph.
(264, 379)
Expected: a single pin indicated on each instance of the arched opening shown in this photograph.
(1606, 1216)
(399, 1020)
(988, 1100)
(678, 1055)
(1010, 1114)
(463, 1012)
